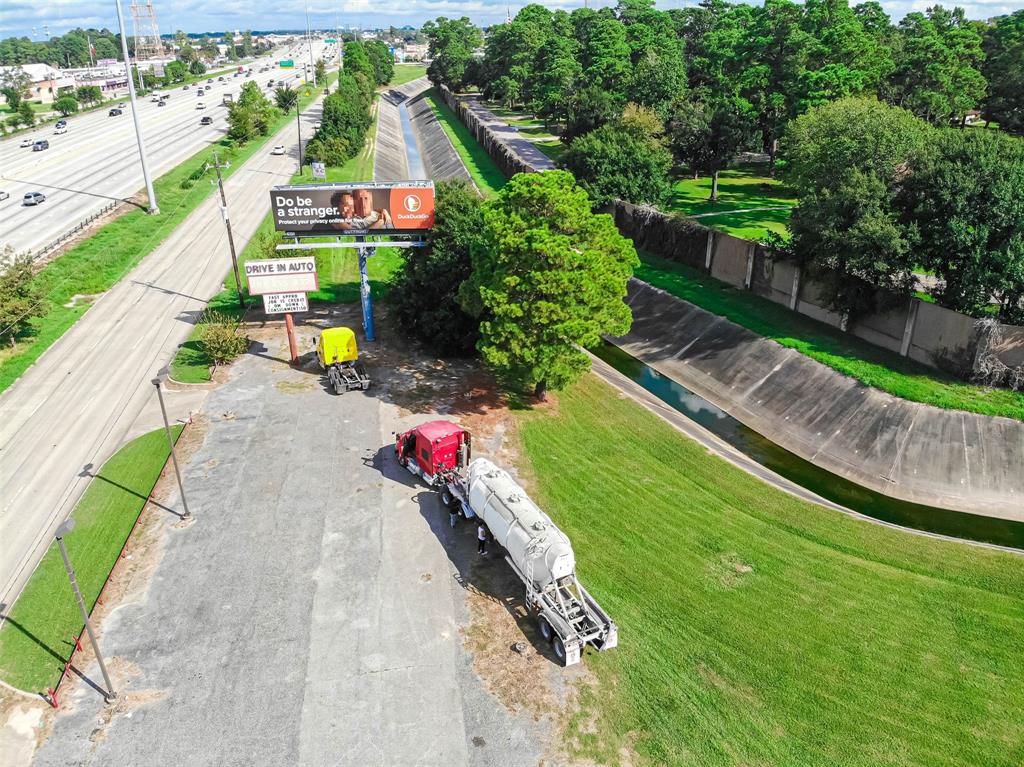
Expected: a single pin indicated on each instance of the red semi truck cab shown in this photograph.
(432, 448)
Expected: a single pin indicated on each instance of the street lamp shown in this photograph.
(170, 442)
(66, 527)
(154, 208)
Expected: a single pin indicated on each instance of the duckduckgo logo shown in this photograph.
(412, 203)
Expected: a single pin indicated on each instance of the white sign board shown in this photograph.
(282, 275)
(319, 170)
(285, 303)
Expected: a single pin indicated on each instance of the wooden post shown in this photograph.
(292, 347)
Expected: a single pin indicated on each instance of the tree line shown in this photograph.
(640, 94)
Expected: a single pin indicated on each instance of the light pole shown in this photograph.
(309, 41)
(154, 208)
(66, 527)
(170, 442)
(298, 127)
(227, 222)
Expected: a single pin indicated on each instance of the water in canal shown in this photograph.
(805, 473)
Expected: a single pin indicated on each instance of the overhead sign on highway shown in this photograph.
(285, 303)
(307, 210)
(282, 275)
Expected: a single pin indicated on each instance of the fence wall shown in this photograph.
(925, 332)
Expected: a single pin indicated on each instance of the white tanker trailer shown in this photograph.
(538, 552)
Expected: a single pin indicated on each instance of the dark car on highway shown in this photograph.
(114, 112)
(40, 145)
(206, 121)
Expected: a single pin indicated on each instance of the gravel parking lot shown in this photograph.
(315, 612)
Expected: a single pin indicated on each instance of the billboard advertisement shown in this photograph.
(371, 207)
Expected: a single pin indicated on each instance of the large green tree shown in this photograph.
(706, 136)
(550, 277)
(965, 199)
(846, 161)
(452, 42)
(1004, 70)
(425, 293)
(21, 298)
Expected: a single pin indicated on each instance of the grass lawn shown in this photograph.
(554, 149)
(481, 167)
(873, 366)
(99, 262)
(739, 188)
(36, 639)
(758, 629)
(407, 72)
(337, 269)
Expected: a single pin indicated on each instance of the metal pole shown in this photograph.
(298, 127)
(309, 41)
(63, 530)
(227, 223)
(154, 208)
(170, 442)
(364, 290)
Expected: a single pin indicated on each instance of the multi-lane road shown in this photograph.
(97, 161)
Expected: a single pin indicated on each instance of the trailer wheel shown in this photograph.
(446, 498)
(559, 647)
(545, 629)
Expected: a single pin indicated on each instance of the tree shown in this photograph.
(230, 50)
(25, 114)
(846, 161)
(14, 85)
(66, 105)
(285, 97)
(320, 70)
(550, 277)
(425, 292)
(588, 109)
(247, 47)
(707, 136)
(250, 115)
(452, 42)
(219, 338)
(1004, 70)
(965, 199)
(20, 296)
(197, 68)
(175, 71)
(623, 160)
(382, 61)
(88, 94)
(938, 65)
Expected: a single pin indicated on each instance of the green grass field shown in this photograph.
(739, 188)
(849, 355)
(757, 629)
(407, 72)
(337, 269)
(488, 178)
(36, 639)
(99, 262)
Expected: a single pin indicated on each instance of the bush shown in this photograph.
(220, 339)
(66, 106)
(20, 296)
(197, 67)
(334, 151)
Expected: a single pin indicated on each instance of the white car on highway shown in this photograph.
(60, 129)
(279, 149)
(200, 105)
(26, 142)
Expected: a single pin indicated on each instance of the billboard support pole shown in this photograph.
(364, 290)
(292, 347)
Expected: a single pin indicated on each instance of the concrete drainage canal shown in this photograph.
(842, 491)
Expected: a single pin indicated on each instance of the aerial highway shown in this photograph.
(97, 161)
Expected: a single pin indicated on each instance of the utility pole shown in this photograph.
(170, 442)
(66, 527)
(154, 208)
(227, 223)
(309, 40)
(298, 127)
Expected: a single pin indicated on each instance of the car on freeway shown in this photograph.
(122, 105)
(316, 125)
(25, 142)
(279, 149)
(33, 198)
(207, 120)
(62, 123)
(200, 105)
(4, 195)
(220, 79)
(114, 112)
(184, 87)
(153, 99)
(59, 130)
(40, 145)
(161, 103)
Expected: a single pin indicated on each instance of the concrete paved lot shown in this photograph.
(311, 615)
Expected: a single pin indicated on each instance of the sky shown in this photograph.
(29, 17)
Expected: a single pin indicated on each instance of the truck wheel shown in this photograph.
(545, 629)
(559, 650)
(446, 498)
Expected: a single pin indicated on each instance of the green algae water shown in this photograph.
(804, 473)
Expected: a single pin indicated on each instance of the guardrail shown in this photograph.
(72, 232)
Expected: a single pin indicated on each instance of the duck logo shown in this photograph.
(412, 203)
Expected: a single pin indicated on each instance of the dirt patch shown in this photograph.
(25, 722)
(82, 299)
(729, 570)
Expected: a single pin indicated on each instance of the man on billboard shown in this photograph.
(357, 211)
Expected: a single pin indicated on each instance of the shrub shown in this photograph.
(220, 339)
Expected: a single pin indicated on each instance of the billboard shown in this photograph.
(371, 207)
(281, 275)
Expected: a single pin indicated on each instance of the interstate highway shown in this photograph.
(97, 160)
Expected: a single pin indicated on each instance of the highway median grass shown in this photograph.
(71, 282)
(36, 637)
(847, 354)
(486, 175)
(756, 628)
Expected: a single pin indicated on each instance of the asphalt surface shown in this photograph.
(311, 615)
(78, 403)
(97, 161)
